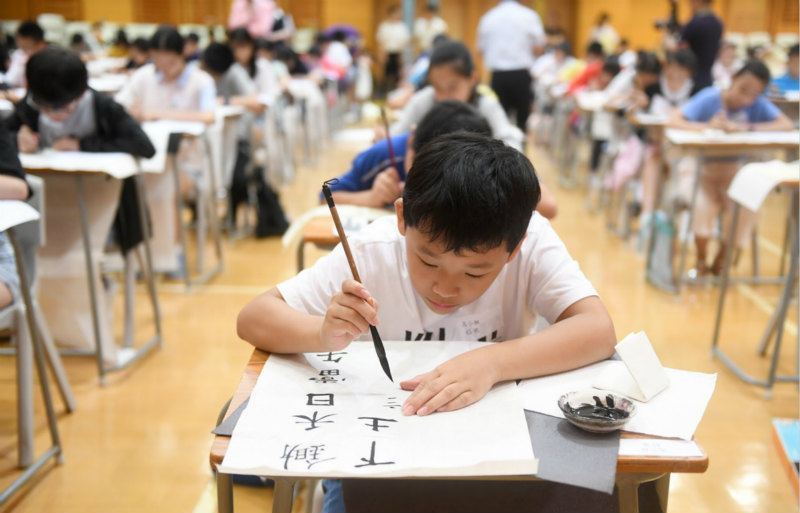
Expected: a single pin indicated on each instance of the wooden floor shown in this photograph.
(141, 443)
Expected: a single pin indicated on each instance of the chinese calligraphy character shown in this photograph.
(375, 424)
(327, 376)
(320, 400)
(428, 335)
(330, 356)
(391, 403)
(371, 461)
(313, 420)
(310, 455)
(494, 337)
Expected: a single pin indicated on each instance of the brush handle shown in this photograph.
(326, 191)
(388, 138)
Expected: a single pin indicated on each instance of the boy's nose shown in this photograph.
(445, 290)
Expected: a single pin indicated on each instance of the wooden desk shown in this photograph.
(79, 165)
(631, 471)
(320, 232)
(704, 145)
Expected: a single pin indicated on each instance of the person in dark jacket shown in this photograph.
(61, 112)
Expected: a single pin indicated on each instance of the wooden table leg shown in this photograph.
(224, 493)
(628, 492)
(283, 495)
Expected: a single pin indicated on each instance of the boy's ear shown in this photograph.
(516, 250)
(398, 210)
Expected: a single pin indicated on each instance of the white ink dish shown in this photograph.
(596, 411)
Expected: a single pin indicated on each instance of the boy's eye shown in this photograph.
(426, 263)
(475, 275)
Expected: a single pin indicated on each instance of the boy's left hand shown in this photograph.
(452, 385)
(66, 144)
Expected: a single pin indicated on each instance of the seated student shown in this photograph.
(12, 187)
(590, 74)
(726, 64)
(674, 88)
(233, 83)
(601, 129)
(168, 88)
(30, 39)
(63, 113)
(191, 47)
(464, 250)
(452, 76)
(373, 182)
(138, 54)
(740, 108)
(259, 69)
(791, 80)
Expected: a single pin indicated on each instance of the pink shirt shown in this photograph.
(255, 15)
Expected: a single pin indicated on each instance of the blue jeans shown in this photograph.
(333, 500)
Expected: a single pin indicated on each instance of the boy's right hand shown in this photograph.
(386, 187)
(27, 140)
(350, 314)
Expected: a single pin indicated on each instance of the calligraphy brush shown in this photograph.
(376, 338)
(388, 139)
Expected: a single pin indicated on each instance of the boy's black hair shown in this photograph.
(439, 39)
(756, 68)
(76, 39)
(56, 77)
(470, 192)
(31, 30)
(454, 54)
(683, 58)
(794, 50)
(265, 44)
(611, 66)
(218, 58)
(240, 35)
(446, 117)
(595, 49)
(647, 62)
(141, 44)
(193, 37)
(121, 38)
(167, 38)
(339, 35)
(565, 47)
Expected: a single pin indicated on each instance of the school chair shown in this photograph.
(54, 28)
(740, 40)
(786, 40)
(33, 343)
(759, 38)
(145, 30)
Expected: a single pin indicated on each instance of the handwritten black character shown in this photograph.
(428, 335)
(327, 376)
(391, 403)
(310, 455)
(376, 422)
(371, 461)
(494, 337)
(319, 400)
(330, 356)
(313, 420)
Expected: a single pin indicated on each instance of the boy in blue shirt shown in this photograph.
(740, 108)
(373, 182)
(791, 80)
(466, 258)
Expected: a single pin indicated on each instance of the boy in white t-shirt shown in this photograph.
(465, 261)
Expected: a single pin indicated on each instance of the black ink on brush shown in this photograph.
(598, 410)
(376, 338)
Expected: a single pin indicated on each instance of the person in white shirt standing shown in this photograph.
(509, 35)
(393, 37)
(428, 26)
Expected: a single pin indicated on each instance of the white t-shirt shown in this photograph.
(393, 36)
(507, 35)
(542, 278)
(426, 30)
